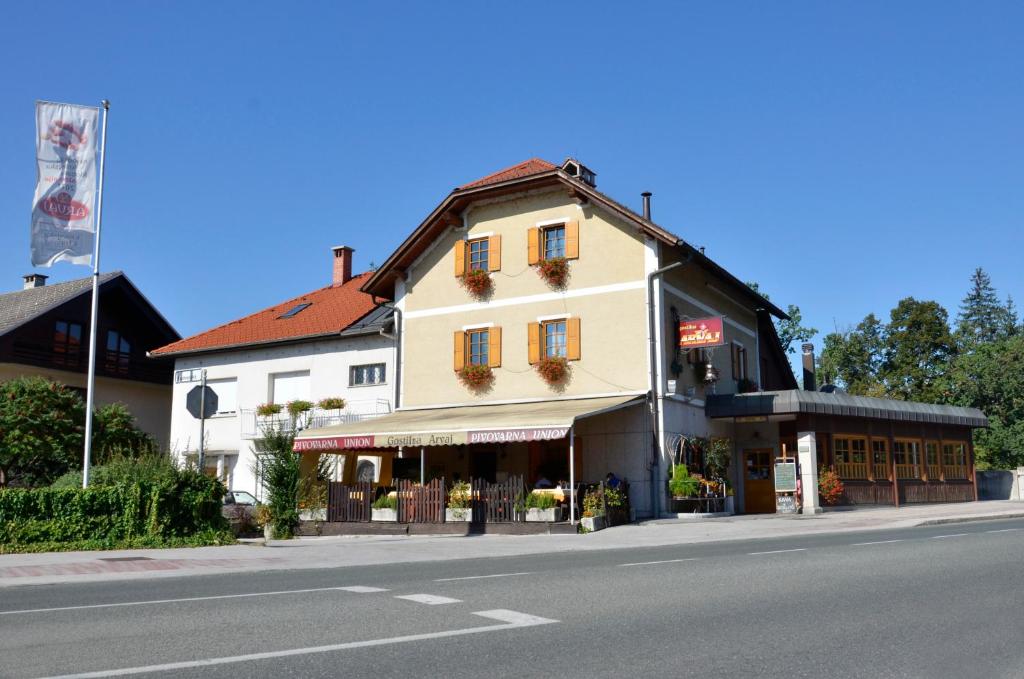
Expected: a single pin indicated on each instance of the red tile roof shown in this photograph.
(330, 310)
(524, 169)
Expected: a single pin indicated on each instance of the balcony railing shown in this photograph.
(252, 425)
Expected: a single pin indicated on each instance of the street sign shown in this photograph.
(199, 406)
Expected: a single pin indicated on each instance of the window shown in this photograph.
(954, 459)
(478, 251)
(554, 241)
(295, 309)
(227, 395)
(851, 454)
(365, 375)
(554, 339)
(695, 356)
(477, 342)
(739, 362)
(931, 458)
(119, 352)
(287, 387)
(478, 346)
(906, 454)
(67, 343)
(880, 459)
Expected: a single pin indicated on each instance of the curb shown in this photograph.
(970, 519)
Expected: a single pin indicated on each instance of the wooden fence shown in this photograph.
(349, 502)
(498, 502)
(421, 503)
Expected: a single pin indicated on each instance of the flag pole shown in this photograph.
(94, 311)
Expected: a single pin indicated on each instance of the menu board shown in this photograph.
(785, 477)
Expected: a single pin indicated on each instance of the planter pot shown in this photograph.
(464, 514)
(268, 531)
(384, 515)
(548, 515)
(730, 504)
(592, 523)
(313, 515)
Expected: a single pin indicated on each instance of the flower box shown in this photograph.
(461, 514)
(592, 523)
(384, 515)
(550, 515)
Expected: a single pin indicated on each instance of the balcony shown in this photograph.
(355, 411)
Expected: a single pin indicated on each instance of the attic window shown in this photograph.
(295, 310)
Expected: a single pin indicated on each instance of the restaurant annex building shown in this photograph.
(539, 337)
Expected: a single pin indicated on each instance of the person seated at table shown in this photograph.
(542, 482)
(562, 484)
(612, 481)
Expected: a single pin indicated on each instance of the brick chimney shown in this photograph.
(808, 365)
(342, 264)
(34, 280)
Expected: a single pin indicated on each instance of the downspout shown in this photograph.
(652, 357)
(396, 337)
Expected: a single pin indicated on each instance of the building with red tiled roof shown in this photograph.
(331, 345)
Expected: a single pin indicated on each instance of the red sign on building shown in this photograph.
(701, 332)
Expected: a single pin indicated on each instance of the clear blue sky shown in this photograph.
(844, 155)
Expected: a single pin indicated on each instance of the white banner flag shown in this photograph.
(62, 219)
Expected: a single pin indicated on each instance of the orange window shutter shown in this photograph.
(533, 336)
(572, 339)
(460, 349)
(572, 240)
(494, 347)
(494, 253)
(460, 258)
(533, 246)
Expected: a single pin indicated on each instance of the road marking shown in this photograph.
(359, 589)
(153, 602)
(778, 551)
(481, 577)
(880, 542)
(512, 620)
(429, 599)
(954, 535)
(652, 563)
(1002, 530)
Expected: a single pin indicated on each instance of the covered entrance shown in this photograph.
(758, 484)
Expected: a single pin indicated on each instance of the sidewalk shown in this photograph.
(334, 552)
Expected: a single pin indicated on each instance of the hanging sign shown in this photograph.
(701, 332)
(62, 211)
(436, 438)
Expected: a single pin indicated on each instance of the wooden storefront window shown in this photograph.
(932, 460)
(906, 455)
(954, 459)
(880, 459)
(851, 454)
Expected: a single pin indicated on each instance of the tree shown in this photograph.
(983, 318)
(279, 467)
(115, 434)
(917, 348)
(853, 358)
(41, 431)
(791, 330)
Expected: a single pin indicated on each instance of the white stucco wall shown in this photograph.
(328, 364)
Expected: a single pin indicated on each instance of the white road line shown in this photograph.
(954, 535)
(880, 542)
(778, 551)
(359, 589)
(512, 619)
(154, 602)
(652, 563)
(481, 577)
(1002, 530)
(429, 599)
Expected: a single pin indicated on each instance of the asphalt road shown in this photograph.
(940, 601)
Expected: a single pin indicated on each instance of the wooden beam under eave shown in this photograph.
(577, 197)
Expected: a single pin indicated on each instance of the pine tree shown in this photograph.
(983, 318)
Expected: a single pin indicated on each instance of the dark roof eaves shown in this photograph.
(104, 279)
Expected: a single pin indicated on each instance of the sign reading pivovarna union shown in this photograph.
(437, 438)
(62, 219)
(701, 332)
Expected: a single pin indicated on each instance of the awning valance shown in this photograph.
(504, 423)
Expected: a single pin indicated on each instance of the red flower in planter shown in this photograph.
(475, 376)
(830, 487)
(555, 271)
(477, 282)
(554, 369)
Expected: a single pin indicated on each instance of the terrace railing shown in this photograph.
(252, 424)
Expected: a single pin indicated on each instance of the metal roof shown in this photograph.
(22, 306)
(840, 404)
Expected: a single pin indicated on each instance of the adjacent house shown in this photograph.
(331, 343)
(545, 332)
(44, 331)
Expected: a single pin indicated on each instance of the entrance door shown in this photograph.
(758, 485)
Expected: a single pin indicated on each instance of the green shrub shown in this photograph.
(459, 497)
(682, 484)
(614, 497)
(279, 468)
(122, 470)
(540, 501)
(385, 502)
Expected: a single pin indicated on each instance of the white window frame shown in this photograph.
(352, 373)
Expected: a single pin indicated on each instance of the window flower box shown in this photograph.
(477, 282)
(553, 369)
(475, 376)
(554, 271)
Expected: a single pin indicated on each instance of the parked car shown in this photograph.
(238, 509)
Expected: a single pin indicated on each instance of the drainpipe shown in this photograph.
(652, 330)
(396, 337)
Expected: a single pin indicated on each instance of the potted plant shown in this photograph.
(475, 376)
(554, 271)
(542, 507)
(384, 508)
(553, 369)
(331, 403)
(262, 517)
(830, 488)
(268, 409)
(477, 282)
(593, 511)
(459, 503)
(617, 506)
(684, 488)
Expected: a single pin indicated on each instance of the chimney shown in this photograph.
(34, 280)
(342, 264)
(647, 205)
(808, 360)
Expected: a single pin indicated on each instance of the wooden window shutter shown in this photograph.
(460, 258)
(572, 240)
(572, 338)
(460, 349)
(533, 337)
(533, 246)
(494, 347)
(494, 253)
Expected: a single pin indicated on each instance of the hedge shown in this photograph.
(183, 509)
